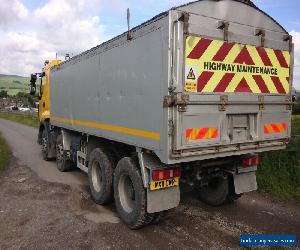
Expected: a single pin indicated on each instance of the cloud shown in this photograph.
(296, 40)
(58, 26)
(11, 12)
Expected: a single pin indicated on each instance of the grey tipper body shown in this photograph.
(123, 83)
(129, 93)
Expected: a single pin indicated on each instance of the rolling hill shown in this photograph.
(14, 84)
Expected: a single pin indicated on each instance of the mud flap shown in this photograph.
(162, 199)
(245, 182)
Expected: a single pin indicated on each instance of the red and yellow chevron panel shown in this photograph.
(218, 66)
(275, 128)
(192, 134)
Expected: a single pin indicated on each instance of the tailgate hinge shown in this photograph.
(223, 102)
(289, 38)
(262, 34)
(173, 100)
(185, 19)
(223, 25)
(261, 101)
(289, 105)
(182, 104)
(169, 101)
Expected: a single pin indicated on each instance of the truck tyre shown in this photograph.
(45, 145)
(100, 173)
(130, 194)
(216, 192)
(62, 163)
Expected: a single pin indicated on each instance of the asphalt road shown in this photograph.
(42, 208)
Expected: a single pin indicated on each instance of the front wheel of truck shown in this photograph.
(45, 145)
(130, 194)
(216, 192)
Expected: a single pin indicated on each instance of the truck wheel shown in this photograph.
(101, 168)
(62, 163)
(130, 194)
(216, 192)
(45, 145)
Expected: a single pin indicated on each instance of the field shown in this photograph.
(14, 84)
(4, 153)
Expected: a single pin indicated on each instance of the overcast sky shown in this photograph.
(32, 31)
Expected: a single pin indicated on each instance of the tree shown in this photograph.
(3, 94)
(31, 99)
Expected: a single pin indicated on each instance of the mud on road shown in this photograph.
(38, 211)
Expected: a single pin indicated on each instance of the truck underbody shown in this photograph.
(216, 181)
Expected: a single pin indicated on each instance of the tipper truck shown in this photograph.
(185, 100)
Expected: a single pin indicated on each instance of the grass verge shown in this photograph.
(29, 119)
(279, 172)
(4, 153)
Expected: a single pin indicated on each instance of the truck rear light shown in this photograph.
(251, 161)
(164, 174)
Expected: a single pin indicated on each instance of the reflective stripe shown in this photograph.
(275, 128)
(219, 66)
(109, 127)
(192, 134)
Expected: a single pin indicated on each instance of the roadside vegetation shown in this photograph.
(279, 172)
(29, 119)
(4, 153)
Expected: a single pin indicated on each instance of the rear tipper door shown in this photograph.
(238, 96)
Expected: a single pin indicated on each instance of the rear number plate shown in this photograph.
(154, 185)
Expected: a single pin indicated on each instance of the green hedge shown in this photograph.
(279, 172)
(4, 153)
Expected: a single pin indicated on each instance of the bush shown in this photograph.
(3, 93)
(4, 153)
(279, 172)
(296, 107)
(31, 99)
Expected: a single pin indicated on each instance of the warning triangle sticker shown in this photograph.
(191, 75)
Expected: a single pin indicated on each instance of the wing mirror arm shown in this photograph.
(33, 79)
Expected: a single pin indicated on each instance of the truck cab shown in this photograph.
(44, 93)
(48, 146)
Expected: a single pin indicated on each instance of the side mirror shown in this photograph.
(33, 79)
(32, 90)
